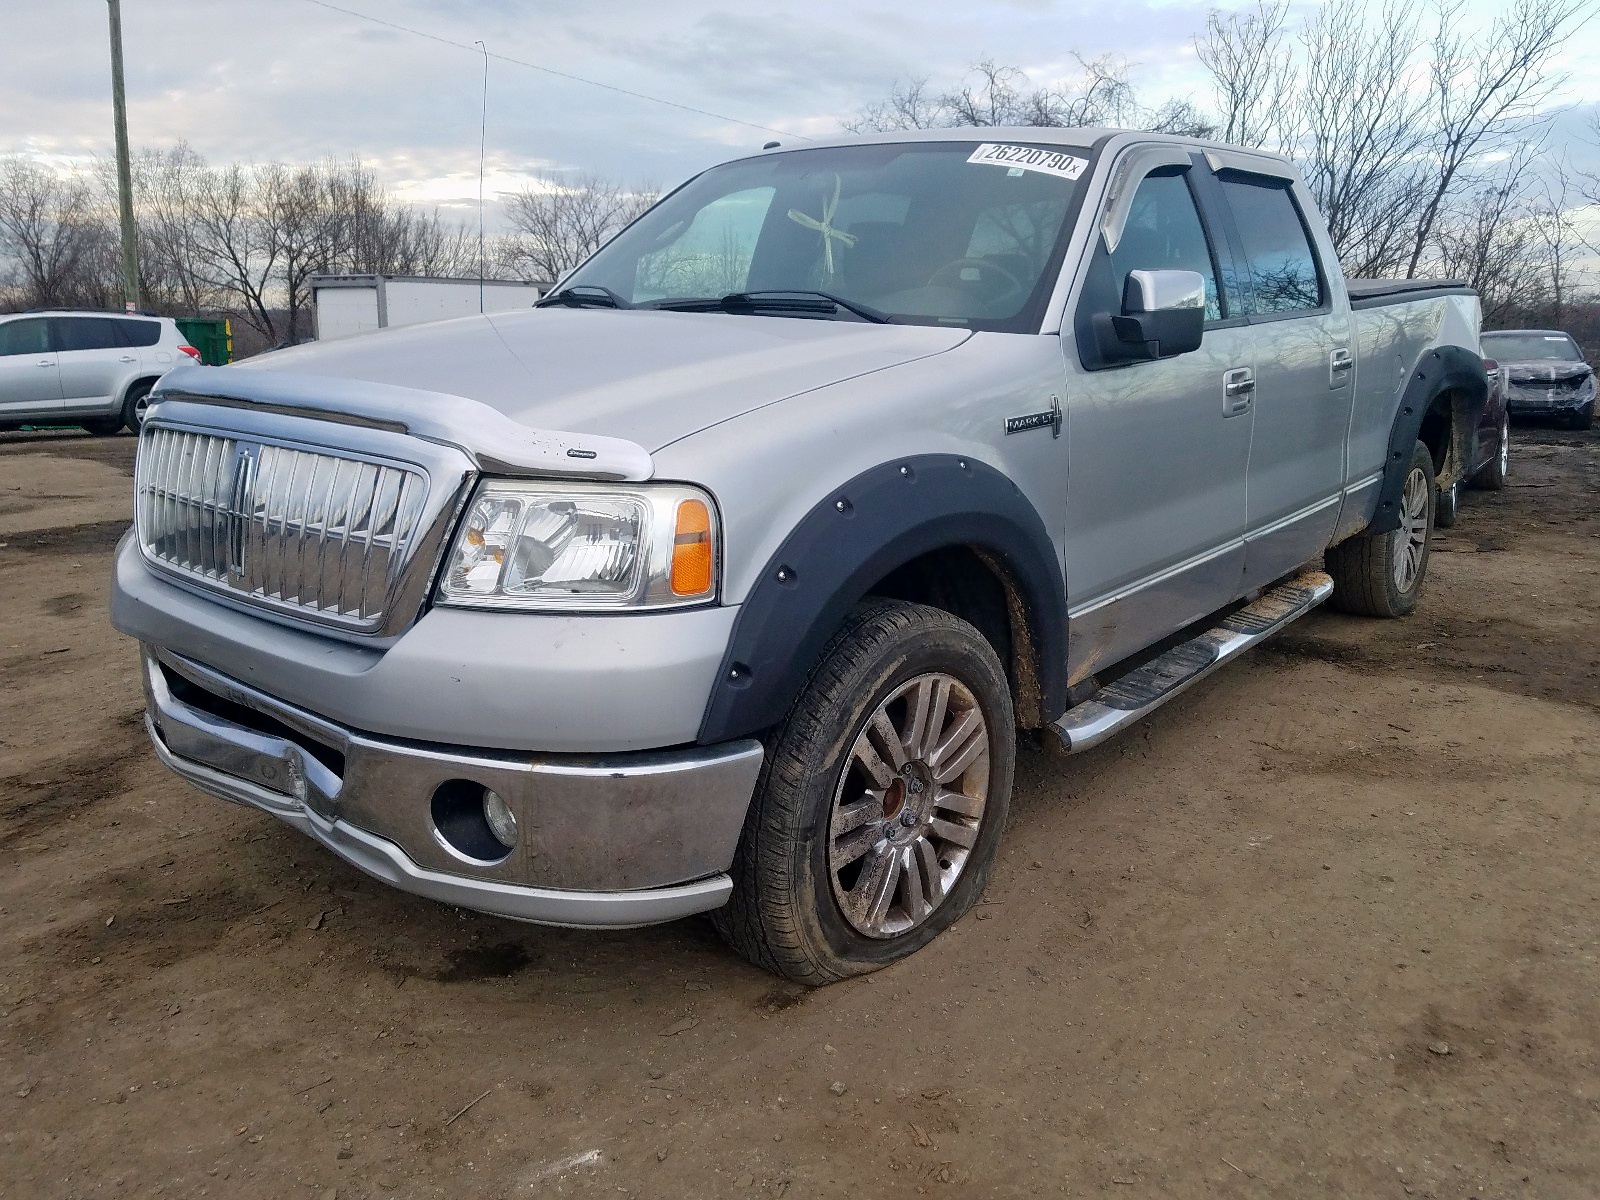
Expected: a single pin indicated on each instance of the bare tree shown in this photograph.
(165, 182)
(237, 247)
(1487, 240)
(1553, 218)
(1251, 71)
(50, 234)
(1489, 91)
(560, 222)
(378, 235)
(907, 106)
(1360, 128)
(994, 94)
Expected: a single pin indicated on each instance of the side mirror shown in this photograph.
(1163, 315)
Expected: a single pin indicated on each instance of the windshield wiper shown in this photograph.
(584, 294)
(774, 298)
(777, 299)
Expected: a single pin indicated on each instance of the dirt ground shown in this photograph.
(1325, 926)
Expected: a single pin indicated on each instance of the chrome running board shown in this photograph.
(1145, 689)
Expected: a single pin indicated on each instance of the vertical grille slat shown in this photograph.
(326, 535)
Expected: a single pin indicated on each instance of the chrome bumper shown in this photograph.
(605, 842)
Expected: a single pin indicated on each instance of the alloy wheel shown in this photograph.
(909, 805)
(1411, 540)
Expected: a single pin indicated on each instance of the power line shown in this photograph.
(434, 37)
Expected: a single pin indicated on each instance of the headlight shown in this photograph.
(578, 546)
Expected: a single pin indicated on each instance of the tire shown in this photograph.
(1582, 419)
(104, 426)
(801, 904)
(133, 407)
(1368, 577)
(1492, 476)
(1446, 505)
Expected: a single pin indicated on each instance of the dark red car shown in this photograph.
(1492, 458)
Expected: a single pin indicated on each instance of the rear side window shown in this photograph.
(138, 333)
(86, 333)
(1282, 265)
(28, 336)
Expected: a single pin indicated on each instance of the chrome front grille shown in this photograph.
(322, 535)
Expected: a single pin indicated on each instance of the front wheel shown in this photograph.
(881, 802)
(1582, 419)
(1381, 574)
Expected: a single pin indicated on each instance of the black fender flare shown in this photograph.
(857, 534)
(1443, 369)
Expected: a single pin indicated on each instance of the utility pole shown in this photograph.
(119, 111)
(483, 141)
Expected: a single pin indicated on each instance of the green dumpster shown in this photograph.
(212, 336)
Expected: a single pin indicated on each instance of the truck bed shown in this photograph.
(1375, 293)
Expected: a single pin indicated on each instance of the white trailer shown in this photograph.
(350, 304)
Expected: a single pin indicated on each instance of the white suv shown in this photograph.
(84, 368)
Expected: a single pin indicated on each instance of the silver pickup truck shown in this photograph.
(725, 580)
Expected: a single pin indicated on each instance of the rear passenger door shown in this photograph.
(143, 336)
(1304, 376)
(95, 361)
(30, 381)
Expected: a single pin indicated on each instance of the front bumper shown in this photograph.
(1531, 398)
(605, 842)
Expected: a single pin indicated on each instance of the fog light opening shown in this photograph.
(473, 821)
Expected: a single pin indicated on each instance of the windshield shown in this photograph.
(1528, 347)
(942, 233)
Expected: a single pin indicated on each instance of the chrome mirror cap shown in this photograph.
(1162, 291)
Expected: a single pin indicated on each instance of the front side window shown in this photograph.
(86, 333)
(28, 336)
(933, 233)
(1164, 233)
(1277, 249)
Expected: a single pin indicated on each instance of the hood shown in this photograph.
(648, 377)
(1544, 370)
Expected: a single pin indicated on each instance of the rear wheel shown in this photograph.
(1492, 476)
(881, 802)
(133, 408)
(1381, 574)
(1447, 505)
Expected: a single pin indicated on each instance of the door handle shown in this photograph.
(127, 358)
(47, 362)
(1238, 385)
(1340, 364)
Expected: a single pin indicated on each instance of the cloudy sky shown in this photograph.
(296, 80)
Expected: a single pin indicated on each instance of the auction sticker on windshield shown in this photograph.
(1030, 158)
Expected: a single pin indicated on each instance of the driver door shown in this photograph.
(1157, 450)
